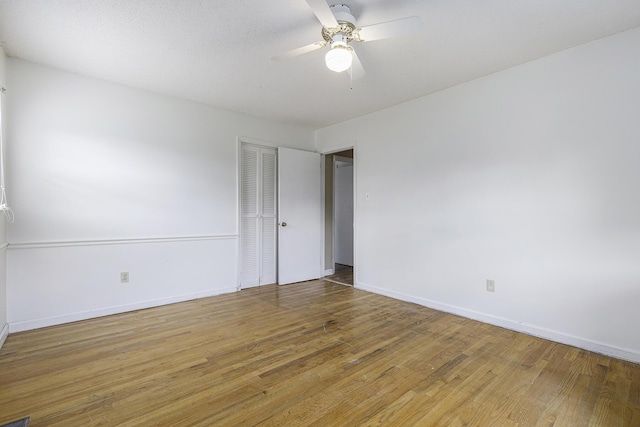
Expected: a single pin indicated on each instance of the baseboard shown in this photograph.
(4, 334)
(537, 331)
(107, 311)
(328, 272)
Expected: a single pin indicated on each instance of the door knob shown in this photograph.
(284, 224)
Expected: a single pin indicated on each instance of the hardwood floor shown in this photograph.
(314, 353)
(343, 275)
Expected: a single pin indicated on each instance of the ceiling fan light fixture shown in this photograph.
(339, 57)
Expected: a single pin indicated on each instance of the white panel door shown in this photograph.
(300, 216)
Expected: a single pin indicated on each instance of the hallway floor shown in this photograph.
(343, 275)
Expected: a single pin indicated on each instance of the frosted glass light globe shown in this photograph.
(339, 58)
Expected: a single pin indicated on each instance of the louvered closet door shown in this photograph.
(268, 215)
(258, 225)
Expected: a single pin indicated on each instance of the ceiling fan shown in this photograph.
(339, 30)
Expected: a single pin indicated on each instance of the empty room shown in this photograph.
(320, 213)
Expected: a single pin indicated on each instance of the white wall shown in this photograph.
(105, 178)
(4, 328)
(343, 195)
(528, 177)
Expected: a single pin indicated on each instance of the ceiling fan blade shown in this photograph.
(323, 13)
(357, 70)
(299, 51)
(385, 30)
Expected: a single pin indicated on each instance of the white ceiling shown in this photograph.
(218, 52)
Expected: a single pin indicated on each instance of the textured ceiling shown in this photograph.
(218, 52)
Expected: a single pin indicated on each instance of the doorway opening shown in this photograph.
(339, 217)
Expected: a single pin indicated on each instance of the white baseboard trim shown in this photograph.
(537, 331)
(328, 272)
(107, 311)
(4, 334)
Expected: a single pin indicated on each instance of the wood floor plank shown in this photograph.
(308, 354)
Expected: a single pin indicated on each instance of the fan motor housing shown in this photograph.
(343, 13)
(346, 24)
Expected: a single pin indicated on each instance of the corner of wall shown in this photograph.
(3, 235)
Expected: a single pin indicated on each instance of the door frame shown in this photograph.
(349, 146)
(333, 223)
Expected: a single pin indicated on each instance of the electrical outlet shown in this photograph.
(124, 277)
(491, 285)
